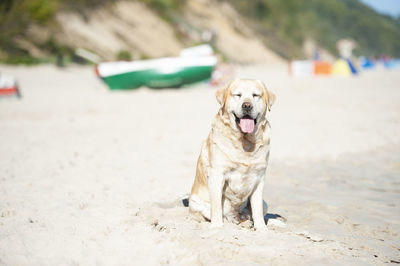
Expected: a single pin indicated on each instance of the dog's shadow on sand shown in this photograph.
(273, 218)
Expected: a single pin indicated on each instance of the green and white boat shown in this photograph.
(157, 73)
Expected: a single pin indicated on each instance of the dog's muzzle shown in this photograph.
(247, 107)
(246, 122)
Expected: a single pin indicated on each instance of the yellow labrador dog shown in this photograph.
(232, 164)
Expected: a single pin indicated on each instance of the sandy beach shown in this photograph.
(90, 176)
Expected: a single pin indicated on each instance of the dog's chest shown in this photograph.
(241, 182)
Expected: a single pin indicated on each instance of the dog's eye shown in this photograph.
(238, 95)
(256, 95)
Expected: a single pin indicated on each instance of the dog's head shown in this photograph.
(245, 102)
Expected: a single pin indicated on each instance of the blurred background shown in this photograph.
(37, 31)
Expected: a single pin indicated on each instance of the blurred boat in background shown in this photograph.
(193, 65)
(9, 86)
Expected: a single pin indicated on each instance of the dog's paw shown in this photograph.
(247, 224)
(218, 224)
(261, 227)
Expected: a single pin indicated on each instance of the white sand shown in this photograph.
(90, 176)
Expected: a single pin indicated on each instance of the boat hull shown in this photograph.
(165, 72)
(155, 78)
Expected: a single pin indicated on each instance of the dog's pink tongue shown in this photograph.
(246, 125)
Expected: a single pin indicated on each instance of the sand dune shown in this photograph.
(93, 177)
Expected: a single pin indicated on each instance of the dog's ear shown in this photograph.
(222, 93)
(269, 97)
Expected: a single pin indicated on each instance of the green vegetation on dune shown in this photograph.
(288, 23)
(165, 8)
(17, 15)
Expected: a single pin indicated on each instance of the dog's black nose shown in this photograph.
(247, 106)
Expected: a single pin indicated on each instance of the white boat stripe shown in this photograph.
(114, 68)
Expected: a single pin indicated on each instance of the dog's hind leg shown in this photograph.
(197, 205)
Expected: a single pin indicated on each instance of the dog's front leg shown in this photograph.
(215, 185)
(257, 202)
